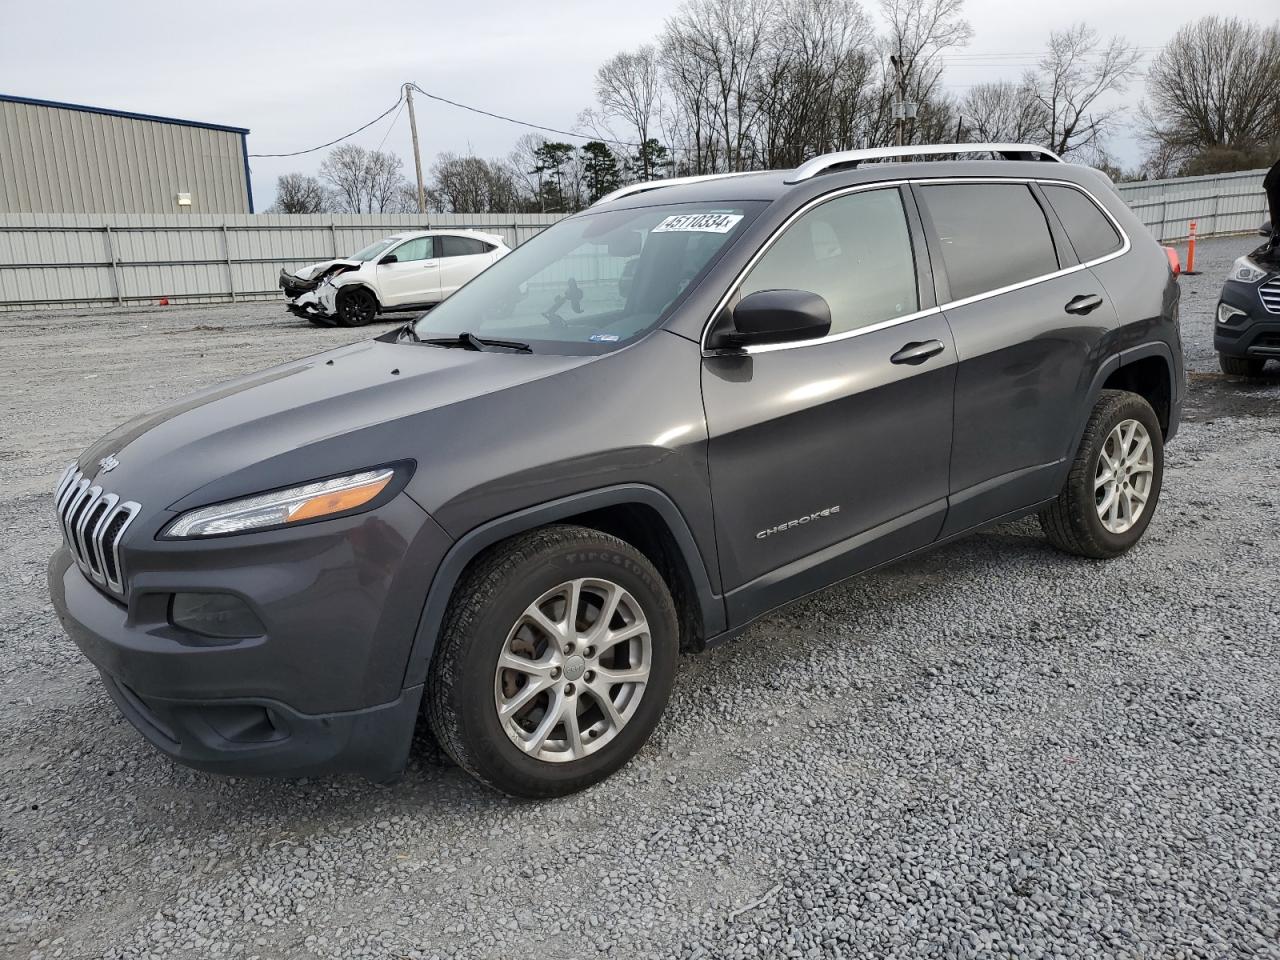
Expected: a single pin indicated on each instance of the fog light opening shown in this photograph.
(219, 615)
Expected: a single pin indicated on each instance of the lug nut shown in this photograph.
(555, 673)
(568, 689)
(568, 648)
(589, 676)
(589, 652)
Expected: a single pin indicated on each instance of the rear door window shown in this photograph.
(854, 252)
(1089, 229)
(464, 246)
(993, 235)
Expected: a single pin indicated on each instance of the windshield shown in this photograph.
(374, 249)
(594, 282)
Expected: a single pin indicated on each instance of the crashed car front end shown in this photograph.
(302, 289)
(319, 304)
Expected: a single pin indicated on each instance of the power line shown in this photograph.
(522, 123)
(392, 126)
(345, 136)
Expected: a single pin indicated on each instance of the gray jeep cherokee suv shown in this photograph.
(642, 430)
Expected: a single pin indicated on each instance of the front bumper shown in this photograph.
(314, 305)
(1256, 334)
(320, 692)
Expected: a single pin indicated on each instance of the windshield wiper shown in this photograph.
(469, 341)
(407, 332)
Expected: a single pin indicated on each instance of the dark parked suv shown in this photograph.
(642, 430)
(1247, 333)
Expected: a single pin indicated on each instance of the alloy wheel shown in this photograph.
(1123, 479)
(573, 670)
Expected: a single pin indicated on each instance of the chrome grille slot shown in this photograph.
(1270, 294)
(93, 523)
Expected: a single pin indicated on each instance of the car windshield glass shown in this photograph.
(373, 249)
(594, 282)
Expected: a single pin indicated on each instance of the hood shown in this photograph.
(313, 270)
(348, 409)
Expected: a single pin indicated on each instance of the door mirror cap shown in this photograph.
(389, 258)
(775, 316)
(1266, 229)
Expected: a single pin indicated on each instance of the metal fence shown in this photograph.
(79, 260)
(1222, 204)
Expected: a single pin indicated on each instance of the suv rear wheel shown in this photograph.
(356, 307)
(1114, 484)
(555, 662)
(1241, 366)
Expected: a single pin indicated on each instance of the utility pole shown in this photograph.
(417, 153)
(899, 107)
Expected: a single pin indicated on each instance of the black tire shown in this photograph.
(1241, 366)
(356, 307)
(319, 321)
(1071, 522)
(487, 602)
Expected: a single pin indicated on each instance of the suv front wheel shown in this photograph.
(1114, 484)
(555, 662)
(356, 307)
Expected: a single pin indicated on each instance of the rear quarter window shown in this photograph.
(1089, 229)
(993, 235)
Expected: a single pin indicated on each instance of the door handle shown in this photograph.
(916, 353)
(428, 263)
(1084, 303)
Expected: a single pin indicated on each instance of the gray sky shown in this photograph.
(314, 71)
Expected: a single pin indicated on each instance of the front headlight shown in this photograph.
(1246, 271)
(311, 501)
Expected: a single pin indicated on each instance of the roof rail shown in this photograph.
(632, 188)
(851, 158)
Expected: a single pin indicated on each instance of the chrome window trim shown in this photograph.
(1125, 246)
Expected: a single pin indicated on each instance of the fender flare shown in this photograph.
(1154, 348)
(467, 547)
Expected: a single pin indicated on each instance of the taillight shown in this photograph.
(1174, 264)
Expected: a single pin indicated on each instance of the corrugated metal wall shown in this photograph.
(1220, 204)
(71, 260)
(60, 160)
(80, 260)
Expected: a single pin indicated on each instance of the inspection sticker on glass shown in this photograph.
(699, 223)
(603, 338)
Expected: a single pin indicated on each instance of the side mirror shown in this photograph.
(390, 258)
(775, 316)
(1266, 229)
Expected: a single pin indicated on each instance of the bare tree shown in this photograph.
(299, 193)
(1214, 88)
(364, 181)
(627, 89)
(473, 185)
(1073, 78)
(815, 77)
(687, 116)
(1002, 112)
(729, 37)
(385, 172)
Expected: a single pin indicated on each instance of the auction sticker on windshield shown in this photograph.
(699, 223)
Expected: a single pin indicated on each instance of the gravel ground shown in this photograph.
(993, 749)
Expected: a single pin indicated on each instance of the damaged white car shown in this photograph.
(405, 271)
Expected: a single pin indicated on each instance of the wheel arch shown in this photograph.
(1137, 370)
(642, 515)
(357, 285)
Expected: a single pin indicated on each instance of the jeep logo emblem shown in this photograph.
(108, 463)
